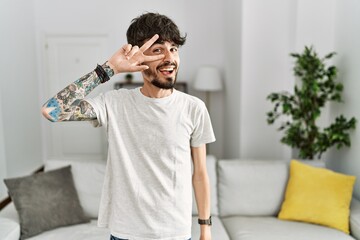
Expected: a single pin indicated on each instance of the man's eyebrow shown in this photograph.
(162, 44)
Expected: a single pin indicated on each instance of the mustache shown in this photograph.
(166, 64)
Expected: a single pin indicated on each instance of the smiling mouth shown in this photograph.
(167, 70)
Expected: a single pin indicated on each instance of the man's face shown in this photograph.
(162, 73)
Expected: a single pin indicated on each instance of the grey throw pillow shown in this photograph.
(45, 201)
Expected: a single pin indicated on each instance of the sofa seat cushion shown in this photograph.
(218, 231)
(88, 231)
(271, 228)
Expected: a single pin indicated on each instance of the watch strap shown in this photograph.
(205, 221)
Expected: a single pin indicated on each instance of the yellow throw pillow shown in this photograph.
(318, 195)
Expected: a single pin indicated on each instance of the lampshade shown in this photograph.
(208, 79)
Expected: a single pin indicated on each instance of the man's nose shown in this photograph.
(168, 56)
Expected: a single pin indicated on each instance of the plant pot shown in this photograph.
(313, 162)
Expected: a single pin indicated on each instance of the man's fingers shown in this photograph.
(126, 48)
(153, 57)
(134, 50)
(142, 67)
(148, 43)
(139, 68)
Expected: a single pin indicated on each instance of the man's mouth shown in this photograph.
(167, 70)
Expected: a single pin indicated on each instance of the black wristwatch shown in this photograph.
(205, 221)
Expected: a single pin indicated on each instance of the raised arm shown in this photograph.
(69, 103)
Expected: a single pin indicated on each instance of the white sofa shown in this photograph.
(246, 198)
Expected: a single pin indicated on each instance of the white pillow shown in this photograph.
(251, 187)
(88, 179)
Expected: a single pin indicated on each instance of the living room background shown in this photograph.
(248, 40)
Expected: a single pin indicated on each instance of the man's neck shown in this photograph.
(152, 91)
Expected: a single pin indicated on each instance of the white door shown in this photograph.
(67, 58)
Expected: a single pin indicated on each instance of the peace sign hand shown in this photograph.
(130, 58)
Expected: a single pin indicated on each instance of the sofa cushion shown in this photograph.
(218, 231)
(272, 228)
(251, 187)
(355, 218)
(88, 231)
(211, 164)
(45, 201)
(318, 195)
(10, 212)
(88, 178)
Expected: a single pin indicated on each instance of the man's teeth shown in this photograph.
(166, 69)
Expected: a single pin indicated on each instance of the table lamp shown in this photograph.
(208, 80)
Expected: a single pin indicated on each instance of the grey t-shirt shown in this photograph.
(147, 188)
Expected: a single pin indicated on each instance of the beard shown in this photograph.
(169, 82)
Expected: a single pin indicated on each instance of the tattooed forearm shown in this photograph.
(84, 111)
(67, 105)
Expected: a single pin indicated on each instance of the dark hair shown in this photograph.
(148, 24)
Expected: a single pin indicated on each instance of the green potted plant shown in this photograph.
(128, 78)
(300, 110)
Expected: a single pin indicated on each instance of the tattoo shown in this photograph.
(68, 104)
(68, 94)
(108, 70)
(83, 112)
(54, 109)
(87, 83)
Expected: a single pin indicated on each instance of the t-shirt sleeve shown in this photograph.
(203, 132)
(99, 105)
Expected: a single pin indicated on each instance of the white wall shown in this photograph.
(2, 157)
(19, 89)
(347, 45)
(232, 41)
(315, 25)
(205, 46)
(267, 39)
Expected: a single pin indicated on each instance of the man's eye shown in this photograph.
(157, 50)
(174, 49)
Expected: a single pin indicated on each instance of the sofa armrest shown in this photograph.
(355, 218)
(9, 223)
(9, 229)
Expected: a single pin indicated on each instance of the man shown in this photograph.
(153, 132)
